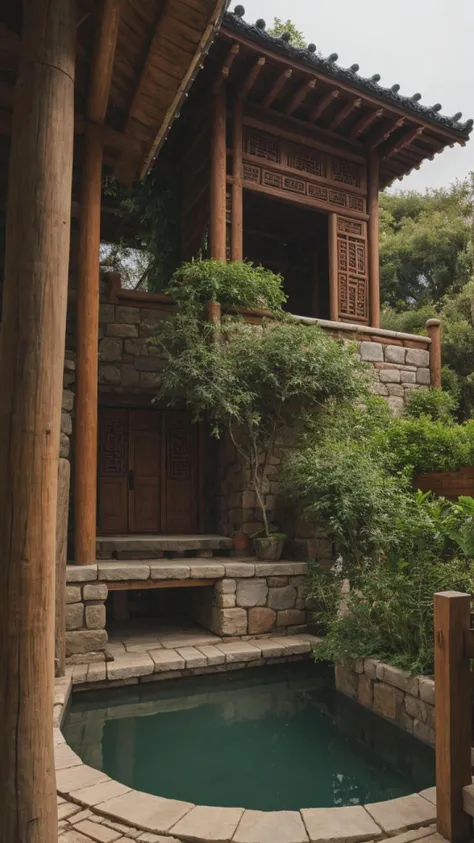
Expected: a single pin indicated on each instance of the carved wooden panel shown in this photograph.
(289, 183)
(180, 510)
(352, 272)
(345, 172)
(113, 471)
(262, 146)
(305, 160)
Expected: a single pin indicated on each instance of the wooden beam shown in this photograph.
(373, 238)
(323, 104)
(400, 142)
(252, 77)
(344, 113)
(225, 69)
(217, 227)
(453, 714)
(333, 274)
(157, 34)
(32, 341)
(87, 308)
(140, 585)
(299, 96)
(365, 122)
(385, 133)
(277, 87)
(237, 243)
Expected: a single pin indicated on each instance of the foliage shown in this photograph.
(279, 27)
(389, 612)
(420, 445)
(254, 382)
(436, 404)
(237, 284)
(148, 251)
(425, 244)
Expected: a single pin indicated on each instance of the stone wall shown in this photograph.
(397, 370)
(405, 700)
(86, 637)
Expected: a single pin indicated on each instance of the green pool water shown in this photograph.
(270, 739)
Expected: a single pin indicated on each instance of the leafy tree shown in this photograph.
(279, 27)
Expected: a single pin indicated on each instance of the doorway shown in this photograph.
(294, 241)
(148, 472)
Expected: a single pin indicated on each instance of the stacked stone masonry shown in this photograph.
(397, 370)
(244, 598)
(407, 701)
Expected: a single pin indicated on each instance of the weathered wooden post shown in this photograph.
(32, 341)
(237, 245)
(87, 322)
(217, 228)
(373, 238)
(434, 331)
(453, 713)
(333, 275)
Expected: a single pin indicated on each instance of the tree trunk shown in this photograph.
(31, 372)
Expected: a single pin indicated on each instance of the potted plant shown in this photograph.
(252, 382)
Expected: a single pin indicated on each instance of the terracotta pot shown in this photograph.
(240, 542)
(270, 549)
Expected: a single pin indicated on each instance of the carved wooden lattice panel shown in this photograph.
(113, 451)
(352, 269)
(179, 451)
(345, 172)
(262, 146)
(305, 160)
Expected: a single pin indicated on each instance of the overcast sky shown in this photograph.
(424, 45)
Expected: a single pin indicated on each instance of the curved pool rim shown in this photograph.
(85, 786)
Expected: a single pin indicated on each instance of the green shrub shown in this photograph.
(233, 284)
(433, 403)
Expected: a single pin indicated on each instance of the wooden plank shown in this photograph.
(299, 199)
(365, 122)
(140, 585)
(344, 113)
(299, 96)
(32, 341)
(453, 714)
(333, 279)
(252, 76)
(373, 238)
(323, 104)
(148, 63)
(237, 238)
(217, 228)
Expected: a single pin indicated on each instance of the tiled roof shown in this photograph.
(370, 86)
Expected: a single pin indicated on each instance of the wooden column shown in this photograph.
(453, 714)
(373, 239)
(64, 477)
(217, 231)
(434, 331)
(32, 341)
(87, 319)
(237, 252)
(333, 279)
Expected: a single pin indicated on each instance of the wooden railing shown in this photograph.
(454, 647)
(447, 484)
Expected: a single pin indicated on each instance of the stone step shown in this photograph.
(158, 546)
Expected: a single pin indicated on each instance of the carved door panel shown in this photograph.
(180, 476)
(352, 274)
(113, 471)
(145, 472)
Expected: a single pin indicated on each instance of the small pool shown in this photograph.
(269, 739)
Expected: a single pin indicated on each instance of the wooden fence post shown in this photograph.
(434, 331)
(453, 714)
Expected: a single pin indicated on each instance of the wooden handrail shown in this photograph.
(453, 640)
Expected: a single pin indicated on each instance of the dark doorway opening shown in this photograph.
(293, 241)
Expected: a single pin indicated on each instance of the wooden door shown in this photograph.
(113, 471)
(145, 471)
(180, 477)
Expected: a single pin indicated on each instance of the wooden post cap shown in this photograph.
(433, 323)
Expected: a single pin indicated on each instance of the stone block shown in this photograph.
(388, 701)
(136, 347)
(106, 313)
(165, 660)
(239, 651)
(347, 680)
(418, 357)
(213, 655)
(277, 582)
(75, 616)
(150, 380)
(192, 656)
(67, 400)
(64, 446)
(166, 570)
(271, 827)
(97, 831)
(395, 354)
(261, 620)
(269, 569)
(371, 351)
(229, 621)
(128, 315)
(390, 376)
(396, 815)
(206, 824)
(239, 569)
(379, 389)
(131, 665)
(370, 668)
(295, 645)
(98, 591)
(282, 598)
(122, 331)
(365, 691)
(251, 592)
(405, 722)
(66, 424)
(396, 389)
(145, 811)
(407, 377)
(120, 571)
(85, 641)
(149, 364)
(291, 617)
(420, 710)
(225, 601)
(95, 616)
(427, 690)
(110, 349)
(347, 825)
(226, 587)
(130, 376)
(73, 594)
(109, 375)
(423, 377)
(400, 679)
(396, 404)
